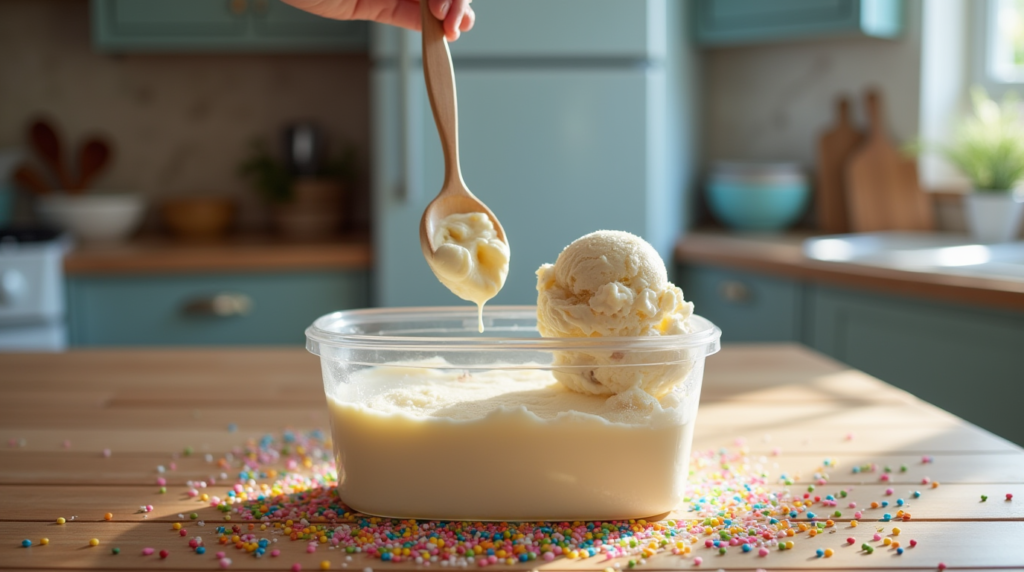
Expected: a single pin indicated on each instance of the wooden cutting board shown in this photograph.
(883, 191)
(835, 147)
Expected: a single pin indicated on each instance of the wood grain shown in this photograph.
(883, 191)
(835, 146)
(795, 412)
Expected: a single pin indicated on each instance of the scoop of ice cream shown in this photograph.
(612, 284)
(469, 258)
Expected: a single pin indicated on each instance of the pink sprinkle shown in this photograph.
(913, 543)
(942, 565)
(698, 561)
(147, 551)
(851, 540)
(173, 465)
(67, 444)
(852, 505)
(776, 451)
(193, 543)
(858, 514)
(762, 551)
(275, 552)
(296, 567)
(492, 559)
(225, 562)
(877, 537)
(884, 477)
(220, 555)
(709, 543)
(311, 548)
(925, 481)
(926, 459)
(149, 508)
(182, 532)
(549, 556)
(161, 481)
(889, 491)
(106, 453)
(1009, 496)
(849, 436)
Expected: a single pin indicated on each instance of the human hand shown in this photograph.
(457, 16)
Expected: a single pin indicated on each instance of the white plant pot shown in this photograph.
(994, 216)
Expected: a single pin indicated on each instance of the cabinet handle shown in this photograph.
(238, 7)
(224, 305)
(734, 291)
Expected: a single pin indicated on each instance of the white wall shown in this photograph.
(771, 102)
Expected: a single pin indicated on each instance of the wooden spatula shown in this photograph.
(93, 156)
(834, 150)
(440, 78)
(883, 191)
(46, 142)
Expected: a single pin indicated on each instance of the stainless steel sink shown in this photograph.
(921, 252)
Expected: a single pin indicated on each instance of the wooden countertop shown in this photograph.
(782, 255)
(238, 254)
(787, 407)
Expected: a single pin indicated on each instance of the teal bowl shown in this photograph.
(765, 207)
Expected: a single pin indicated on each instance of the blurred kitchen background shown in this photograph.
(202, 172)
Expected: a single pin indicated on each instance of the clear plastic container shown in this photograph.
(432, 420)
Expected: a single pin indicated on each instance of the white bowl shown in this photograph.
(94, 218)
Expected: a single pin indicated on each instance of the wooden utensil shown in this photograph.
(440, 78)
(46, 142)
(30, 179)
(883, 191)
(834, 150)
(93, 156)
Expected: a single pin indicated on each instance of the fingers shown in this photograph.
(457, 16)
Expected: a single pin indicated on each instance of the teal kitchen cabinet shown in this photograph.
(175, 26)
(966, 360)
(747, 307)
(746, 22)
(229, 309)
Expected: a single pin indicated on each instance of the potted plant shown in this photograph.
(304, 205)
(989, 149)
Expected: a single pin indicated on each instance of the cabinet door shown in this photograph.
(967, 361)
(171, 310)
(219, 26)
(557, 153)
(737, 22)
(747, 307)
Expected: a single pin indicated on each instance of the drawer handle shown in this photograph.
(223, 305)
(734, 291)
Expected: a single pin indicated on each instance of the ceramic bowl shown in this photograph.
(757, 196)
(94, 217)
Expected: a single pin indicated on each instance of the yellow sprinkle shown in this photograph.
(828, 552)
(61, 520)
(44, 541)
(204, 497)
(325, 565)
(108, 516)
(94, 542)
(887, 541)
(176, 526)
(789, 545)
(895, 531)
(853, 523)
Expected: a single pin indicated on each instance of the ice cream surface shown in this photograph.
(505, 444)
(612, 284)
(469, 258)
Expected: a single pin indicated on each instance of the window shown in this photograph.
(1005, 39)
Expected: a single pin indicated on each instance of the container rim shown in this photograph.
(325, 333)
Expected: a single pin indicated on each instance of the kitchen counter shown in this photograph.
(237, 254)
(780, 408)
(783, 255)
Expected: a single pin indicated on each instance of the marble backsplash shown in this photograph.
(179, 124)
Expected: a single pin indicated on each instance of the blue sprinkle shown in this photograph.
(917, 494)
(810, 515)
(856, 469)
(885, 503)
(899, 550)
(747, 548)
(232, 427)
(26, 543)
(523, 557)
(200, 550)
(819, 552)
(899, 502)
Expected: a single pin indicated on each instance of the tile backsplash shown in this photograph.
(179, 124)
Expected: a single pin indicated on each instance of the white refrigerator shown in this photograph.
(574, 116)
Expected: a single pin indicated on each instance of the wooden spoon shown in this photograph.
(46, 142)
(30, 179)
(93, 156)
(454, 196)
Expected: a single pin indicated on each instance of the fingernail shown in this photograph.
(445, 6)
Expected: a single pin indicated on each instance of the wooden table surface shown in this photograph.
(788, 408)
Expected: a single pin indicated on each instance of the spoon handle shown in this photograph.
(440, 79)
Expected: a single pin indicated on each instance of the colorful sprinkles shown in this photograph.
(282, 489)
